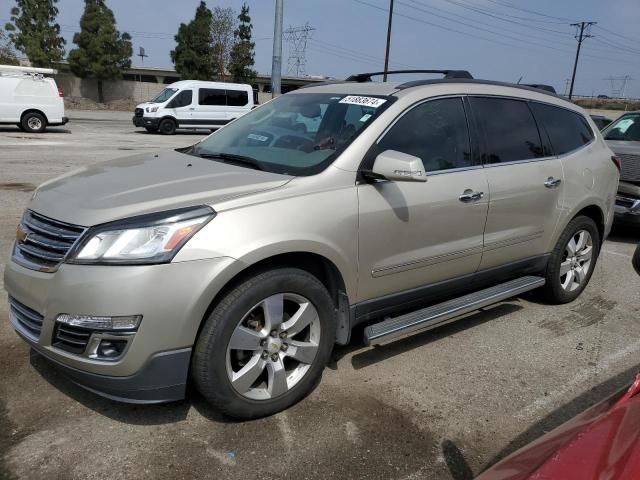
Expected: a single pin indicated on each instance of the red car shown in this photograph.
(602, 443)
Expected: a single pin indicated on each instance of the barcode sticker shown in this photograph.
(364, 101)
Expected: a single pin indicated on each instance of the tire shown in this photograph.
(151, 129)
(239, 316)
(167, 127)
(33, 122)
(564, 287)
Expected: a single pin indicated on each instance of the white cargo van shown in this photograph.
(194, 104)
(30, 100)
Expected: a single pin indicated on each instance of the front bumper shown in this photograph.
(172, 299)
(627, 209)
(147, 122)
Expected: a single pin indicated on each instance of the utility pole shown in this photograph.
(386, 54)
(276, 63)
(582, 33)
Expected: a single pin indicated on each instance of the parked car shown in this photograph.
(194, 104)
(240, 261)
(623, 136)
(29, 99)
(601, 442)
(601, 121)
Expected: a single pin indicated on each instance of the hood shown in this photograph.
(629, 154)
(145, 104)
(146, 183)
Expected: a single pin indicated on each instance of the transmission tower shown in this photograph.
(297, 38)
(619, 85)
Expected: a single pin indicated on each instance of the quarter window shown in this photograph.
(509, 128)
(567, 130)
(237, 98)
(436, 132)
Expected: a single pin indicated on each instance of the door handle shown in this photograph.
(552, 182)
(470, 196)
(192, 108)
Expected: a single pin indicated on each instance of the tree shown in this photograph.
(222, 27)
(102, 51)
(193, 55)
(34, 32)
(7, 55)
(242, 52)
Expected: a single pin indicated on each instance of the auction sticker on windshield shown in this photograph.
(364, 101)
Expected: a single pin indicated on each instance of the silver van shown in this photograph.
(238, 263)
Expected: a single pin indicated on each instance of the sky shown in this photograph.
(494, 39)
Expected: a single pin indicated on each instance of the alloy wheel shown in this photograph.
(576, 261)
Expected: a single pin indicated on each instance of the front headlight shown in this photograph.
(147, 239)
(152, 109)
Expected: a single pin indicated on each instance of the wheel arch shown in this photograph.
(33, 110)
(595, 213)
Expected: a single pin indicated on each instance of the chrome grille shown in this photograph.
(42, 243)
(25, 320)
(71, 339)
(630, 167)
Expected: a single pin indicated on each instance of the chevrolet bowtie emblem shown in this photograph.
(21, 235)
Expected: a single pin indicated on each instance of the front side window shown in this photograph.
(510, 131)
(183, 99)
(436, 132)
(164, 95)
(212, 96)
(567, 130)
(626, 128)
(295, 134)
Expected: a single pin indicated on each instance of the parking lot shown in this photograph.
(439, 405)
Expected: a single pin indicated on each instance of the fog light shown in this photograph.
(130, 322)
(111, 348)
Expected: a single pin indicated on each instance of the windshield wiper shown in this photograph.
(231, 158)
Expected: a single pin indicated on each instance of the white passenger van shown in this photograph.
(194, 104)
(30, 100)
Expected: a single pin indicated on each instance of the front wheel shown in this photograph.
(266, 343)
(167, 127)
(572, 261)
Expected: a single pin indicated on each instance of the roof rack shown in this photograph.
(540, 86)
(418, 83)
(21, 69)
(366, 77)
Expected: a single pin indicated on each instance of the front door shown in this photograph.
(181, 107)
(415, 234)
(525, 182)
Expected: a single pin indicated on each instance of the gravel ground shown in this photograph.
(439, 405)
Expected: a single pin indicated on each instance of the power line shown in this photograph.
(509, 5)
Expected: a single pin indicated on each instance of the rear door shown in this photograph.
(525, 181)
(415, 234)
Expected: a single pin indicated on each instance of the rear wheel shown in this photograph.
(167, 127)
(33, 122)
(572, 261)
(266, 343)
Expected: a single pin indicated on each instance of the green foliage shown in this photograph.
(222, 38)
(193, 55)
(102, 51)
(34, 32)
(243, 51)
(7, 55)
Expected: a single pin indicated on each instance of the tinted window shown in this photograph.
(509, 128)
(434, 131)
(567, 130)
(212, 96)
(626, 128)
(237, 98)
(181, 100)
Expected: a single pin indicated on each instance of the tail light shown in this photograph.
(616, 162)
(60, 92)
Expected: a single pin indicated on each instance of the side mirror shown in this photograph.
(398, 167)
(636, 259)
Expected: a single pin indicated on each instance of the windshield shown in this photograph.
(164, 95)
(295, 134)
(627, 127)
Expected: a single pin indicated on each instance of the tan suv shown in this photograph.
(240, 261)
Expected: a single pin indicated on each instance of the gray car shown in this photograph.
(623, 136)
(239, 262)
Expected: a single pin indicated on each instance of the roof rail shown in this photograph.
(20, 69)
(474, 81)
(366, 77)
(540, 86)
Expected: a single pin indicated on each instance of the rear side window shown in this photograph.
(212, 96)
(237, 98)
(509, 128)
(181, 100)
(567, 130)
(436, 132)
